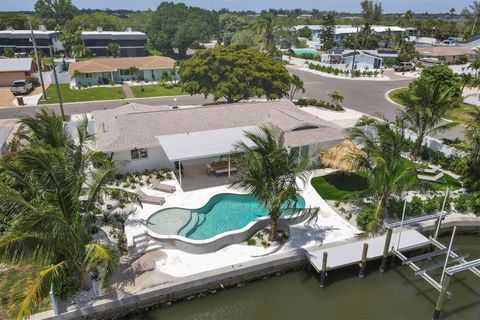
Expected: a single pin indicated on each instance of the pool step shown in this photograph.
(143, 243)
(190, 225)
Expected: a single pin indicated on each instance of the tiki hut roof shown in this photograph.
(338, 157)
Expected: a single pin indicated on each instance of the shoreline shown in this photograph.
(210, 282)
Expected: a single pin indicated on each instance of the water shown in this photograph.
(223, 212)
(395, 294)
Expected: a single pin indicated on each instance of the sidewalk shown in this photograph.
(128, 92)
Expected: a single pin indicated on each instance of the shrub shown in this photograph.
(415, 206)
(365, 216)
(318, 103)
(66, 287)
(251, 242)
(33, 80)
(462, 203)
(432, 205)
(395, 207)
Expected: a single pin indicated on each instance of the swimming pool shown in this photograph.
(223, 212)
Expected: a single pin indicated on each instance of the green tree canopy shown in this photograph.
(234, 73)
(245, 38)
(444, 76)
(371, 11)
(174, 25)
(407, 51)
(59, 11)
(327, 34)
(94, 20)
(305, 32)
(230, 24)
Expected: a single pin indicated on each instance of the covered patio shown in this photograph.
(203, 159)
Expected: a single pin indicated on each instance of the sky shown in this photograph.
(432, 6)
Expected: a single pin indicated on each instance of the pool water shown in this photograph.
(223, 212)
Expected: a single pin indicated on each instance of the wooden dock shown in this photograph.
(351, 253)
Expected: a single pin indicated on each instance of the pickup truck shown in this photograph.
(21, 87)
(404, 67)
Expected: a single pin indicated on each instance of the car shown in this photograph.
(404, 67)
(21, 87)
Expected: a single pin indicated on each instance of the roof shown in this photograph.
(22, 34)
(16, 64)
(114, 64)
(139, 126)
(445, 51)
(114, 35)
(4, 134)
(304, 51)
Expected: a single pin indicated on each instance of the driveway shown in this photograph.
(6, 97)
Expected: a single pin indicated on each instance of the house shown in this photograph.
(4, 135)
(146, 137)
(116, 70)
(301, 51)
(448, 54)
(21, 40)
(364, 59)
(15, 69)
(132, 43)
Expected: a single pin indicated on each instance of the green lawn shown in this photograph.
(459, 113)
(78, 95)
(155, 91)
(336, 186)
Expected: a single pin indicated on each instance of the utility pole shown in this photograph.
(354, 53)
(56, 83)
(39, 63)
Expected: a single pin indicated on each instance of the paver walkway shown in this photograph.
(128, 92)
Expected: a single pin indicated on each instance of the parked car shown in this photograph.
(21, 87)
(404, 67)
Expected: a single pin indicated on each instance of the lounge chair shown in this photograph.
(157, 185)
(145, 198)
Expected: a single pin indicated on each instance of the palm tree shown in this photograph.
(50, 194)
(113, 49)
(425, 106)
(166, 77)
(466, 79)
(133, 72)
(472, 133)
(296, 84)
(408, 15)
(267, 29)
(9, 52)
(475, 65)
(336, 97)
(269, 171)
(382, 164)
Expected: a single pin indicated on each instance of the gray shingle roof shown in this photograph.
(4, 134)
(15, 64)
(136, 126)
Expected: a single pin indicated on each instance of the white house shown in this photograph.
(151, 137)
(364, 59)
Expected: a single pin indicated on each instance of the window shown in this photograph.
(88, 75)
(124, 72)
(136, 154)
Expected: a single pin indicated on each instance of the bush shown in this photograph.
(415, 206)
(433, 205)
(66, 287)
(365, 216)
(33, 80)
(251, 242)
(469, 202)
(318, 103)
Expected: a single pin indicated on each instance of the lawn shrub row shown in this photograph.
(319, 103)
(356, 73)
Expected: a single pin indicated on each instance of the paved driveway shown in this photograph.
(6, 97)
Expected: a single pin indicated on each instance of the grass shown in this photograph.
(8, 279)
(79, 95)
(336, 186)
(155, 91)
(459, 113)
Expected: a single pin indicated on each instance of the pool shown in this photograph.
(222, 213)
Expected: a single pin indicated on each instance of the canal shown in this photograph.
(395, 294)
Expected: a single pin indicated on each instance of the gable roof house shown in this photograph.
(447, 53)
(15, 69)
(147, 137)
(116, 70)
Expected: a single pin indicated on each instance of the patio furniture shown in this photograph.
(157, 185)
(219, 168)
(434, 178)
(432, 173)
(145, 198)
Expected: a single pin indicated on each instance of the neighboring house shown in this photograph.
(300, 51)
(364, 59)
(15, 69)
(132, 43)
(4, 135)
(116, 70)
(344, 31)
(449, 54)
(423, 40)
(20, 40)
(146, 137)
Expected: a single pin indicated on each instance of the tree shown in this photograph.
(94, 20)
(230, 24)
(475, 65)
(365, 39)
(267, 28)
(426, 103)
(296, 84)
(472, 133)
(305, 32)
(9, 52)
(174, 25)
(245, 38)
(452, 11)
(71, 40)
(371, 12)
(113, 49)
(234, 73)
(270, 172)
(444, 77)
(381, 162)
(408, 15)
(407, 51)
(336, 97)
(132, 71)
(327, 33)
(51, 192)
(166, 77)
(59, 11)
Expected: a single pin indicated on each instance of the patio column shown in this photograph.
(229, 167)
(180, 172)
(111, 76)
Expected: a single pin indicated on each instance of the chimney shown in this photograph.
(42, 28)
(99, 29)
(129, 29)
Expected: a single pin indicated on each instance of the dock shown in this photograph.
(351, 253)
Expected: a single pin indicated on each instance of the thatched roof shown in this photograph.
(338, 157)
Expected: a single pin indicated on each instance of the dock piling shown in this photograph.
(441, 298)
(388, 239)
(363, 263)
(323, 274)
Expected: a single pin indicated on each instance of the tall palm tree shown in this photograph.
(381, 162)
(296, 84)
(336, 97)
(269, 171)
(426, 103)
(475, 65)
(267, 28)
(50, 194)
